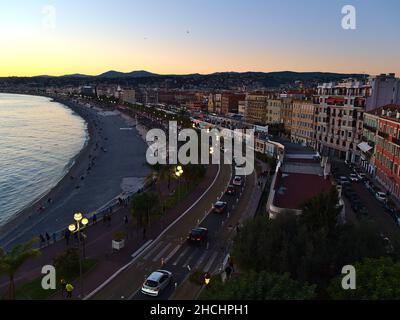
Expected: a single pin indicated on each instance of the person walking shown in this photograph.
(94, 219)
(67, 235)
(42, 240)
(63, 285)
(126, 221)
(47, 238)
(109, 220)
(69, 288)
(54, 237)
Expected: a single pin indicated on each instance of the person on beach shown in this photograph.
(47, 238)
(42, 240)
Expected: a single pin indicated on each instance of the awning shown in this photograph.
(364, 147)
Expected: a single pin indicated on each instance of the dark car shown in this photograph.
(198, 235)
(231, 190)
(220, 207)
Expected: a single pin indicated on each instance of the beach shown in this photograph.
(112, 164)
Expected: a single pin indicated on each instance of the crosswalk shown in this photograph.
(184, 256)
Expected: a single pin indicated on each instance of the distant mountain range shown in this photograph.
(287, 75)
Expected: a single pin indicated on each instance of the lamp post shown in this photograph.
(178, 174)
(75, 228)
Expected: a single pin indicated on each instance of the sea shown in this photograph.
(39, 140)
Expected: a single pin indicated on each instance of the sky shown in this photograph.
(57, 37)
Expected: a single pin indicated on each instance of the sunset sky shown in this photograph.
(204, 36)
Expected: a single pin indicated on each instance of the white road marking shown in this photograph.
(160, 254)
(189, 258)
(200, 261)
(180, 256)
(210, 262)
(149, 254)
(172, 253)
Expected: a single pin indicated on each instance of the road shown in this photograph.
(172, 248)
(376, 211)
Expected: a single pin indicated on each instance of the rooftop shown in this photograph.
(293, 189)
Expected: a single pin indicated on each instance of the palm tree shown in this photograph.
(11, 261)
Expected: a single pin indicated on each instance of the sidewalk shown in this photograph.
(99, 243)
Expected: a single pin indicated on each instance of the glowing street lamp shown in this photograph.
(178, 174)
(80, 223)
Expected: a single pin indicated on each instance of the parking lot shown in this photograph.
(358, 196)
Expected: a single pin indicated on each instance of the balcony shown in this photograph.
(383, 134)
(369, 128)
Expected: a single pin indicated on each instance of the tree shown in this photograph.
(376, 279)
(144, 205)
(11, 261)
(259, 286)
(67, 264)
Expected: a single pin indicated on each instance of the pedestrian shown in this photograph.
(126, 219)
(63, 284)
(69, 288)
(144, 233)
(47, 238)
(42, 240)
(105, 218)
(94, 218)
(109, 220)
(231, 264)
(54, 237)
(67, 236)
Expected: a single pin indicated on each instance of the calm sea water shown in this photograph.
(38, 142)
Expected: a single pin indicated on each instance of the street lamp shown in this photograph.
(178, 174)
(75, 228)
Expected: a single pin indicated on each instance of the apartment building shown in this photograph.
(242, 107)
(224, 103)
(128, 96)
(214, 103)
(339, 109)
(256, 108)
(385, 90)
(387, 148)
(367, 146)
(273, 115)
(287, 113)
(303, 126)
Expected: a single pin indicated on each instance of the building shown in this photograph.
(385, 90)
(287, 113)
(339, 109)
(303, 126)
(128, 96)
(242, 107)
(367, 146)
(224, 103)
(386, 157)
(273, 115)
(256, 107)
(214, 103)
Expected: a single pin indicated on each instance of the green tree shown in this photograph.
(67, 264)
(376, 279)
(143, 206)
(11, 261)
(259, 286)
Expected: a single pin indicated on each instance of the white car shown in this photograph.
(156, 282)
(381, 196)
(237, 181)
(353, 177)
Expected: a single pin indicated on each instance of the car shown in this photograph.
(353, 177)
(198, 235)
(231, 190)
(343, 181)
(220, 207)
(380, 196)
(237, 181)
(156, 282)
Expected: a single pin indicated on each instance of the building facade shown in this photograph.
(339, 109)
(303, 126)
(385, 90)
(256, 108)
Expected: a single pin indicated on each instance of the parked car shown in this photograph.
(156, 282)
(381, 196)
(237, 181)
(220, 207)
(361, 176)
(343, 180)
(198, 235)
(353, 177)
(231, 190)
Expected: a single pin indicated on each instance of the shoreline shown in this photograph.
(78, 165)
